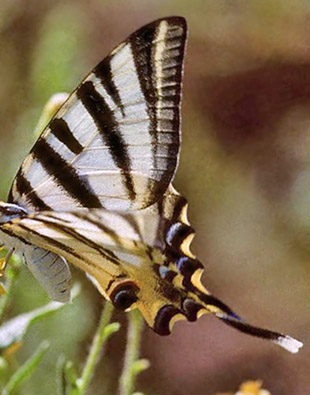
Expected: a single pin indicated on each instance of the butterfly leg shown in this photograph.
(3, 264)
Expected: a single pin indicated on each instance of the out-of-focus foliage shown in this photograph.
(14, 330)
(244, 169)
(25, 370)
(67, 379)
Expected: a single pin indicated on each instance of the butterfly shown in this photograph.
(96, 190)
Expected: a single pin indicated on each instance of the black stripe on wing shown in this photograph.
(61, 130)
(142, 46)
(79, 237)
(164, 91)
(104, 73)
(12, 234)
(48, 240)
(25, 189)
(100, 225)
(107, 125)
(65, 175)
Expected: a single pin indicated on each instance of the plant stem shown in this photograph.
(10, 279)
(135, 326)
(97, 344)
(4, 299)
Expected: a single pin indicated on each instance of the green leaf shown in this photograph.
(109, 330)
(15, 329)
(26, 369)
(139, 366)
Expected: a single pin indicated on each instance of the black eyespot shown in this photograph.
(191, 309)
(163, 318)
(164, 272)
(124, 295)
(188, 266)
(177, 233)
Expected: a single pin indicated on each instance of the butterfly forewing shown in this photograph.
(115, 142)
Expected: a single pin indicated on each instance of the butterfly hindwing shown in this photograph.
(138, 260)
(115, 141)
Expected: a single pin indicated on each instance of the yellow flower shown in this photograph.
(250, 388)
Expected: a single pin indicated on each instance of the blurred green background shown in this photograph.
(245, 169)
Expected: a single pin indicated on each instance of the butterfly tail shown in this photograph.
(213, 305)
(287, 342)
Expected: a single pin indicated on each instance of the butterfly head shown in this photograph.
(9, 211)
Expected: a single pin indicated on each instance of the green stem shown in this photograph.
(4, 299)
(135, 326)
(97, 344)
(10, 279)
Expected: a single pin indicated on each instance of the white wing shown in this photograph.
(115, 142)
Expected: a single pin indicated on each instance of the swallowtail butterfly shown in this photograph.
(95, 190)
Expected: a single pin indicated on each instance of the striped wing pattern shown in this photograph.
(138, 260)
(95, 191)
(115, 141)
